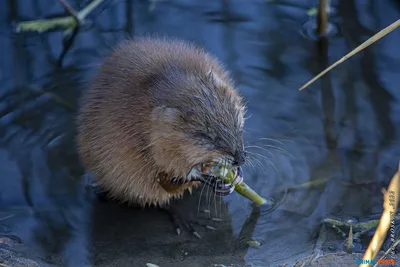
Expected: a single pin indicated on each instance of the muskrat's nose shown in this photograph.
(239, 158)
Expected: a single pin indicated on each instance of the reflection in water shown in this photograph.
(342, 130)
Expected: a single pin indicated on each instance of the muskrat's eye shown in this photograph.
(210, 142)
(218, 143)
(204, 137)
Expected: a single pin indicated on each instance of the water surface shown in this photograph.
(343, 130)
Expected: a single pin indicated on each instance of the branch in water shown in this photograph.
(68, 23)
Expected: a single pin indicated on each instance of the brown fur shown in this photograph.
(155, 109)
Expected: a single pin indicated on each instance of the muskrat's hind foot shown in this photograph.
(179, 221)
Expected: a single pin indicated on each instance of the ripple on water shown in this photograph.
(309, 30)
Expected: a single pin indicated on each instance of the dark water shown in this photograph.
(344, 129)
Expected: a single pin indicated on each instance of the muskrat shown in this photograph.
(155, 113)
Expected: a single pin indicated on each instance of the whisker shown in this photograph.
(250, 163)
(284, 151)
(214, 200)
(221, 197)
(266, 150)
(270, 139)
(220, 206)
(201, 194)
(264, 157)
(274, 140)
(207, 196)
(260, 164)
(257, 162)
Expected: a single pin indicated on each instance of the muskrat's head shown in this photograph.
(197, 124)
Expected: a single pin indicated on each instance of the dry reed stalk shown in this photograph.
(390, 203)
(322, 17)
(359, 48)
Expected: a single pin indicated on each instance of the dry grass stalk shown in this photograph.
(359, 48)
(390, 203)
(393, 246)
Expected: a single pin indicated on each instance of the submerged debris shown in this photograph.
(253, 243)
(9, 258)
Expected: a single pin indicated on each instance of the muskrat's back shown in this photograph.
(119, 128)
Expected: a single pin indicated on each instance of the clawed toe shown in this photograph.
(180, 222)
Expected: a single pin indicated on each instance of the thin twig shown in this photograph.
(390, 203)
(359, 48)
(67, 43)
(5, 218)
(70, 10)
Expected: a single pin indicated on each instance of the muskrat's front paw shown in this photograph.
(179, 222)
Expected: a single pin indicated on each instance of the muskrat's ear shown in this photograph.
(166, 114)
